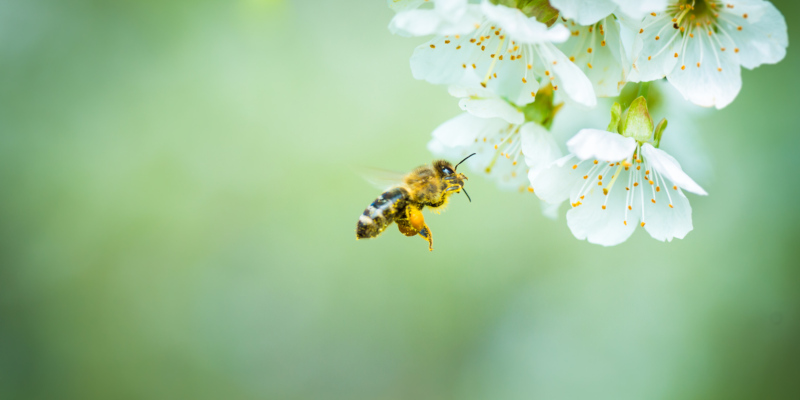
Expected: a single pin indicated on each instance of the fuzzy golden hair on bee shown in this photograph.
(426, 186)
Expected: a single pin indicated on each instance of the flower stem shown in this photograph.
(644, 87)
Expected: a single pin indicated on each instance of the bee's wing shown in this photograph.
(381, 178)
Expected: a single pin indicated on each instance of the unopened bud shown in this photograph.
(636, 122)
(659, 130)
(616, 110)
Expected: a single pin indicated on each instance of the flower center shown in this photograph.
(706, 21)
(500, 155)
(697, 12)
(507, 144)
(642, 183)
(495, 56)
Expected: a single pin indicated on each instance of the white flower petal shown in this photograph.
(584, 12)
(415, 23)
(707, 76)
(683, 139)
(451, 9)
(492, 139)
(639, 8)
(507, 84)
(664, 222)
(440, 150)
(566, 76)
(654, 58)
(539, 147)
(522, 28)
(469, 86)
(427, 22)
(511, 82)
(628, 32)
(464, 129)
(763, 38)
(554, 183)
(500, 63)
(667, 166)
(600, 55)
(601, 145)
(442, 65)
(619, 53)
(492, 107)
(609, 226)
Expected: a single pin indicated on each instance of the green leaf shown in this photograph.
(542, 110)
(540, 9)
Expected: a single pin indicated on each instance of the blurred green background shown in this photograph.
(178, 207)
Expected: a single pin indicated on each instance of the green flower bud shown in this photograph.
(616, 110)
(659, 131)
(636, 121)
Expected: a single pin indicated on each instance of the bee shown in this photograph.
(426, 186)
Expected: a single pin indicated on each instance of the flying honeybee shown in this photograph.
(426, 186)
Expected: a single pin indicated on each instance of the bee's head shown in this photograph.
(444, 169)
(448, 173)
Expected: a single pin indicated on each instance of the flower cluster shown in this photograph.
(517, 65)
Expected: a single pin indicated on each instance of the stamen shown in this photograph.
(666, 45)
(614, 178)
(652, 187)
(680, 17)
(702, 51)
(683, 49)
(639, 151)
(664, 182)
(628, 195)
(494, 62)
(585, 185)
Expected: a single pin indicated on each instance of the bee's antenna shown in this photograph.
(465, 192)
(465, 159)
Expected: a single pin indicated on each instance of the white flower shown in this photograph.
(614, 183)
(598, 51)
(587, 12)
(512, 54)
(685, 140)
(446, 17)
(509, 150)
(699, 48)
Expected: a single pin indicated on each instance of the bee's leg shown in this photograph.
(453, 188)
(418, 223)
(450, 184)
(426, 234)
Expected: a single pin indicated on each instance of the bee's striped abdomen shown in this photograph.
(381, 213)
